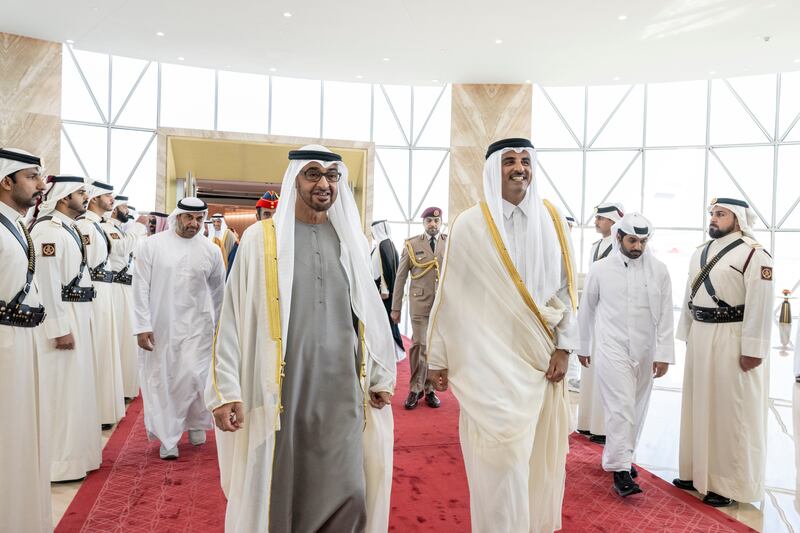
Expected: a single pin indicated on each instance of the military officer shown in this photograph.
(421, 259)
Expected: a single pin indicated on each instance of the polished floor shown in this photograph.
(658, 448)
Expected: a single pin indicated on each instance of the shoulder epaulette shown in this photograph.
(56, 221)
(705, 243)
(752, 242)
(598, 241)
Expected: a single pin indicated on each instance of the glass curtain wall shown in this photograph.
(112, 106)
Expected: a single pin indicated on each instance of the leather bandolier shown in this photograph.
(73, 292)
(724, 312)
(14, 313)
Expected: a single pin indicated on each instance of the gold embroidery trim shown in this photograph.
(425, 267)
(512, 270)
(363, 370)
(273, 304)
(567, 260)
(440, 289)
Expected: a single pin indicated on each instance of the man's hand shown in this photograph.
(395, 317)
(379, 399)
(67, 342)
(659, 369)
(229, 417)
(384, 296)
(438, 378)
(585, 360)
(146, 341)
(559, 362)
(749, 363)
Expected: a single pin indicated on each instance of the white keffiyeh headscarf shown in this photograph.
(346, 221)
(610, 210)
(741, 210)
(60, 187)
(14, 159)
(542, 250)
(190, 204)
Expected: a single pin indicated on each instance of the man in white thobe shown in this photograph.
(304, 366)
(591, 419)
(726, 321)
(626, 309)
(223, 237)
(24, 461)
(178, 285)
(64, 341)
(502, 327)
(124, 235)
(105, 332)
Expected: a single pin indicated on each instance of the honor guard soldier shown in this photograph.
(105, 333)
(421, 258)
(25, 483)
(726, 321)
(124, 234)
(64, 340)
(590, 408)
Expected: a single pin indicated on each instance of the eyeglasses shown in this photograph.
(314, 174)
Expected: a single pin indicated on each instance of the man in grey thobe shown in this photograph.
(323, 402)
(324, 471)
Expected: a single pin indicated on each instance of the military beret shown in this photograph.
(432, 212)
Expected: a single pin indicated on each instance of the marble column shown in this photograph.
(482, 114)
(30, 97)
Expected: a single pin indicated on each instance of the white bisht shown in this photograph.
(248, 356)
(178, 286)
(494, 328)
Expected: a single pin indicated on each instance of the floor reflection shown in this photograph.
(780, 510)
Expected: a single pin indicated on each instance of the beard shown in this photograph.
(630, 254)
(122, 217)
(717, 233)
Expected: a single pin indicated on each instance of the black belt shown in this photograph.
(717, 315)
(75, 293)
(122, 277)
(102, 275)
(21, 315)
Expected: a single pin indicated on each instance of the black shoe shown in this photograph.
(624, 485)
(584, 432)
(70, 480)
(634, 472)
(685, 484)
(106, 427)
(432, 400)
(715, 500)
(412, 400)
(598, 439)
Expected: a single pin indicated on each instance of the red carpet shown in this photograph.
(135, 491)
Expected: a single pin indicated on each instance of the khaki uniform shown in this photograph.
(424, 269)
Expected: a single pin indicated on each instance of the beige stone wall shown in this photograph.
(482, 114)
(30, 97)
